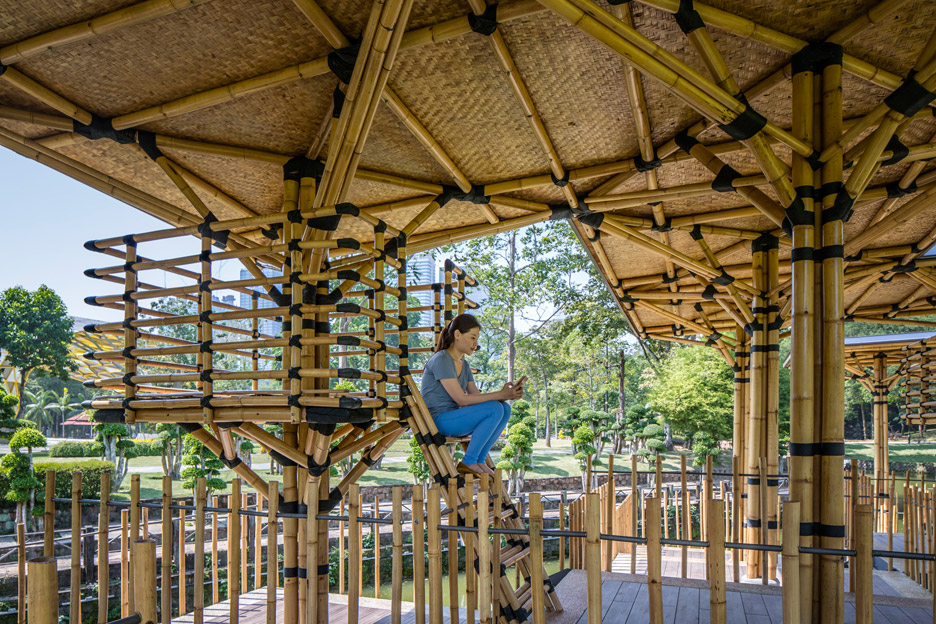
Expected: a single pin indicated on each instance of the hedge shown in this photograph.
(90, 448)
(145, 448)
(75, 448)
(90, 469)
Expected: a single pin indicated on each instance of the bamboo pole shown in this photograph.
(244, 545)
(396, 592)
(608, 516)
(471, 580)
(592, 557)
(654, 559)
(864, 563)
(484, 556)
(124, 563)
(215, 590)
(21, 572)
(452, 538)
(144, 587)
(716, 557)
(375, 533)
(341, 550)
(435, 556)
(562, 526)
(103, 570)
(536, 558)
(686, 518)
(272, 548)
(635, 501)
(419, 554)
(354, 552)
(183, 603)
(165, 583)
(43, 583)
(48, 516)
(201, 494)
(791, 586)
(234, 552)
(258, 544)
(75, 584)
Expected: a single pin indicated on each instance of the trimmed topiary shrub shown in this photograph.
(145, 448)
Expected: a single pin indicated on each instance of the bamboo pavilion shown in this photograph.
(738, 172)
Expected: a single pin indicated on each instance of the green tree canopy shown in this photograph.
(35, 331)
(694, 392)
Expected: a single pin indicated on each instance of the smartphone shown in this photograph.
(520, 383)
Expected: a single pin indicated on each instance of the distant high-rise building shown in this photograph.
(266, 326)
(421, 269)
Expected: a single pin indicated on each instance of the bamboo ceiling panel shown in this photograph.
(246, 84)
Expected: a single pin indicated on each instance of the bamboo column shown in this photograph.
(832, 414)
(635, 501)
(183, 607)
(608, 515)
(354, 552)
(103, 570)
(654, 560)
(48, 516)
(165, 583)
(592, 557)
(272, 548)
(419, 553)
(536, 558)
(21, 572)
(864, 563)
(484, 557)
(134, 531)
(234, 553)
(124, 563)
(215, 588)
(75, 589)
(144, 586)
(396, 576)
(716, 561)
(772, 407)
(879, 410)
(435, 555)
(791, 586)
(686, 519)
(201, 494)
(755, 430)
(43, 583)
(802, 348)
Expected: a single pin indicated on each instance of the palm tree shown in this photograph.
(36, 410)
(64, 404)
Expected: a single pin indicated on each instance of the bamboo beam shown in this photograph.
(45, 95)
(81, 31)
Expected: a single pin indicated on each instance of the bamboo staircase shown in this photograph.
(511, 606)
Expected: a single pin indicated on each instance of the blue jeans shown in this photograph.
(483, 421)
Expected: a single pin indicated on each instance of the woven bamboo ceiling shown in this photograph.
(232, 89)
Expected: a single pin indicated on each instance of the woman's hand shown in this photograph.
(511, 392)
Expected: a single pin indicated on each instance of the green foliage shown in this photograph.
(77, 448)
(200, 462)
(694, 393)
(90, 469)
(144, 448)
(20, 478)
(416, 463)
(8, 404)
(28, 438)
(35, 331)
(517, 455)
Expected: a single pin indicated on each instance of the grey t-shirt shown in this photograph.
(441, 366)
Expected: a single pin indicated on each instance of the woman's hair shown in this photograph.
(463, 323)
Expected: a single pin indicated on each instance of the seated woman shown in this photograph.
(454, 401)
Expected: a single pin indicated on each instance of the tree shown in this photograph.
(416, 463)
(200, 462)
(65, 407)
(171, 436)
(582, 443)
(28, 438)
(37, 403)
(115, 441)
(694, 393)
(8, 423)
(23, 482)
(517, 455)
(35, 331)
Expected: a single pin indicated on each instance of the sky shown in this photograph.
(45, 219)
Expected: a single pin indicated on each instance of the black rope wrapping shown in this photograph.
(647, 165)
(341, 62)
(486, 23)
(103, 128)
(898, 150)
(909, 98)
(688, 18)
(748, 123)
(724, 179)
(147, 141)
